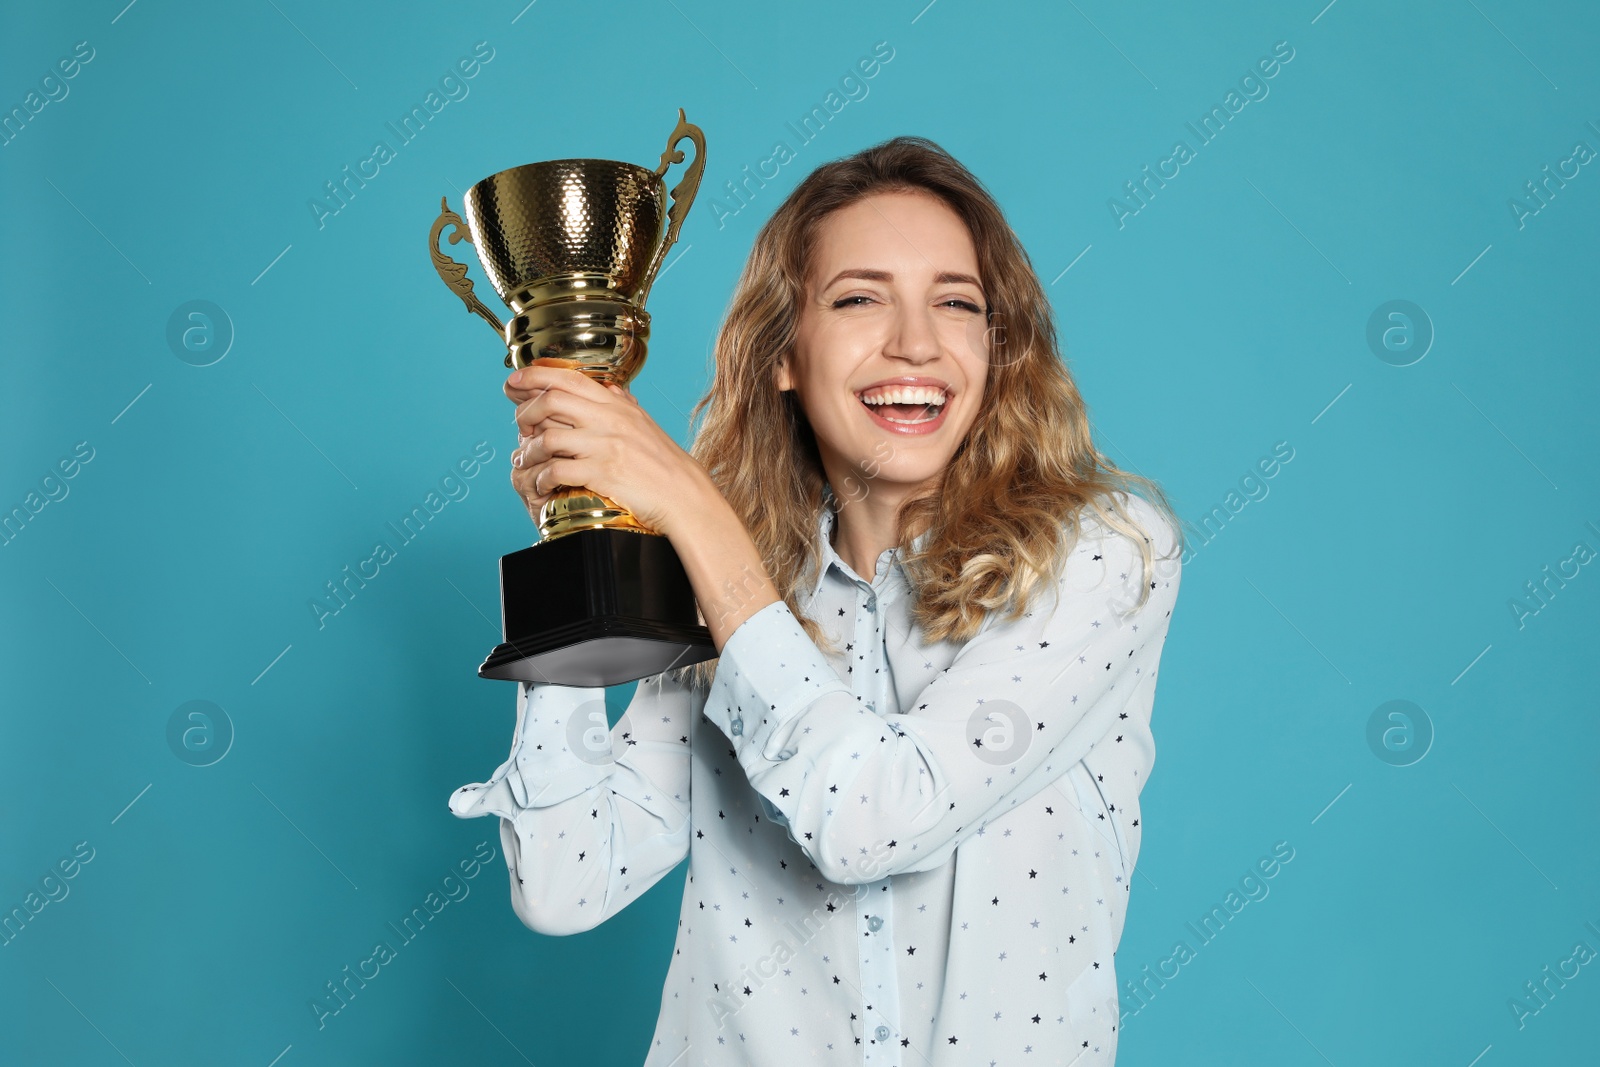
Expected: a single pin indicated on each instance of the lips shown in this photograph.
(895, 424)
(912, 422)
(910, 380)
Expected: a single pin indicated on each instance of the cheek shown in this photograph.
(974, 338)
(984, 351)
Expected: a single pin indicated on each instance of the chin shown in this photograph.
(899, 476)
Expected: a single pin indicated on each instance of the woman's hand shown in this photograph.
(574, 431)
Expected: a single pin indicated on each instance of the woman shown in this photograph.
(908, 787)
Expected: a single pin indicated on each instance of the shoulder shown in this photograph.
(1130, 556)
(1134, 521)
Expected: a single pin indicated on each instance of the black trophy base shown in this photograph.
(594, 608)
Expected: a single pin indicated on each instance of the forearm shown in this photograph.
(575, 864)
(586, 833)
(1017, 705)
(729, 577)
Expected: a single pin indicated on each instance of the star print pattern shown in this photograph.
(868, 885)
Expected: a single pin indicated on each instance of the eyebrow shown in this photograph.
(865, 274)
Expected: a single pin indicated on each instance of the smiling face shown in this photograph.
(893, 309)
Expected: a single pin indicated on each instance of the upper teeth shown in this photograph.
(920, 394)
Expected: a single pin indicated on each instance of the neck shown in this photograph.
(864, 523)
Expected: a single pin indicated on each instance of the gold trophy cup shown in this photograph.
(572, 247)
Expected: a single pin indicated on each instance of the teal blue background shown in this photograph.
(1224, 317)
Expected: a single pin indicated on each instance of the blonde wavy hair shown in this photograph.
(1005, 514)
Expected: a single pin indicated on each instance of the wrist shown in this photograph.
(698, 497)
(695, 507)
(726, 570)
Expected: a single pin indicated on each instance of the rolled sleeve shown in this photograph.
(543, 770)
(591, 816)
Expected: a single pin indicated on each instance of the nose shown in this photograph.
(915, 337)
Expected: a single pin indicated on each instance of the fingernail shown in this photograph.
(516, 379)
(516, 458)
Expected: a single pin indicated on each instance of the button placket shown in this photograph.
(880, 986)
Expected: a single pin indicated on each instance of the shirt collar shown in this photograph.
(826, 520)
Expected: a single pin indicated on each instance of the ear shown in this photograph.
(785, 381)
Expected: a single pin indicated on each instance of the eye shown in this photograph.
(851, 301)
(965, 305)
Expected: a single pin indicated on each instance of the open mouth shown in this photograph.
(907, 410)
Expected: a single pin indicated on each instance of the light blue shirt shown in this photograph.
(902, 854)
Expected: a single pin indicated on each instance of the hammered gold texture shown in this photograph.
(565, 215)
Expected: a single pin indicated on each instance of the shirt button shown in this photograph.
(785, 753)
(882, 1032)
(872, 603)
(736, 727)
(874, 923)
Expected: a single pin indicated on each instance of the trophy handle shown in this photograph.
(454, 274)
(682, 194)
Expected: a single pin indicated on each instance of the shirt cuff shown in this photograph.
(769, 671)
(561, 748)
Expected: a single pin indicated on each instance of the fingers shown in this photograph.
(550, 408)
(532, 451)
(536, 484)
(530, 381)
(538, 465)
(558, 394)
(552, 404)
(531, 487)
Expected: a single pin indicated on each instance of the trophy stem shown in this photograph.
(572, 508)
